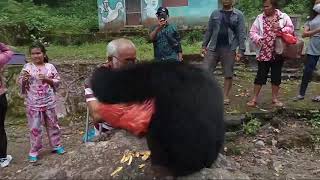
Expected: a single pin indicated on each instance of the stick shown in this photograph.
(87, 126)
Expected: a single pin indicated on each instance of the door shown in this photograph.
(133, 12)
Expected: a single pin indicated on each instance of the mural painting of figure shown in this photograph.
(107, 14)
(151, 8)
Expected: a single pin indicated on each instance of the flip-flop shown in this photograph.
(226, 102)
(316, 99)
(277, 103)
(252, 104)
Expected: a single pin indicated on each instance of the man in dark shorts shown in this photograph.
(225, 34)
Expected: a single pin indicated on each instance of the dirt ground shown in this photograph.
(282, 149)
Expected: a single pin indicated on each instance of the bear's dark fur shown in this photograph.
(186, 131)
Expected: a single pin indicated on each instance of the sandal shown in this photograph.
(226, 102)
(252, 104)
(277, 103)
(316, 99)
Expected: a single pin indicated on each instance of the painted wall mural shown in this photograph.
(110, 11)
(150, 8)
(195, 9)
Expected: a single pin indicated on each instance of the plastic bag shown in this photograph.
(289, 51)
(132, 117)
(288, 38)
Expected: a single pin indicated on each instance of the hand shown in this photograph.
(45, 79)
(26, 75)
(42, 77)
(276, 26)
(203, 52)
(180, 57)
(239, 57)
(162, 23)
(260, 41)
(25, 81)
(94, 111)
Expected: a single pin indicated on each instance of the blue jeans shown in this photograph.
(309, 67)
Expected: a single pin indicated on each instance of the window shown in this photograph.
(174, 3)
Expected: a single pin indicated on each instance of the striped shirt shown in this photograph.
(88, 91)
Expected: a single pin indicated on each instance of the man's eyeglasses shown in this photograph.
(127, 61)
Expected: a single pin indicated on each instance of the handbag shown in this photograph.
(288, 46)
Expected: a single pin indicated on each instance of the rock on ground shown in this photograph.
(98, 160)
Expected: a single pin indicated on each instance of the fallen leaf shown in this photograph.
(264, 110)
(130, 160)
(141, 166)
(123, 158)
(146, 155)
(126, 157)
(116, 171)
(137, 154)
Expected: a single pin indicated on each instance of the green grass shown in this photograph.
(97, 51)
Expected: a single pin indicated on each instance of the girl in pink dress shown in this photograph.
(38, 81)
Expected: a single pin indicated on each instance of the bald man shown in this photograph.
(120, 52)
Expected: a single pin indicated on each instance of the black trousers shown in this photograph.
(263, 71)
(3, 135)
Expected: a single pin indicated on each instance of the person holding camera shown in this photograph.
(165, 38)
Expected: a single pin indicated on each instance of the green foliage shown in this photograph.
(72, 16)
(252, 8)
(193, 36)
(315, 120)
(252, 127)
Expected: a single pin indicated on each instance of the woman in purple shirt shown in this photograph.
(5, 56)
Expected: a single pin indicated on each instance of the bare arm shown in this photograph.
(5, 54)
(154, 33)
(93, 107)
(308, 33)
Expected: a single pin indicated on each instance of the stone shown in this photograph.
(54, 174)
(98, 160)
(295, 138)
(277, 166)
(234, 120)
(217, 173)
(260, 144)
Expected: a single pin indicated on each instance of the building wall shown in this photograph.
(112, 16)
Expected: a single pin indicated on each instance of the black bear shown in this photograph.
(186, 131)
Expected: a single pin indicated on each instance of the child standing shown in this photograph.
(38, 81)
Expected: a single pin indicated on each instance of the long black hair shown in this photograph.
(42, 48)
(313, 13)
